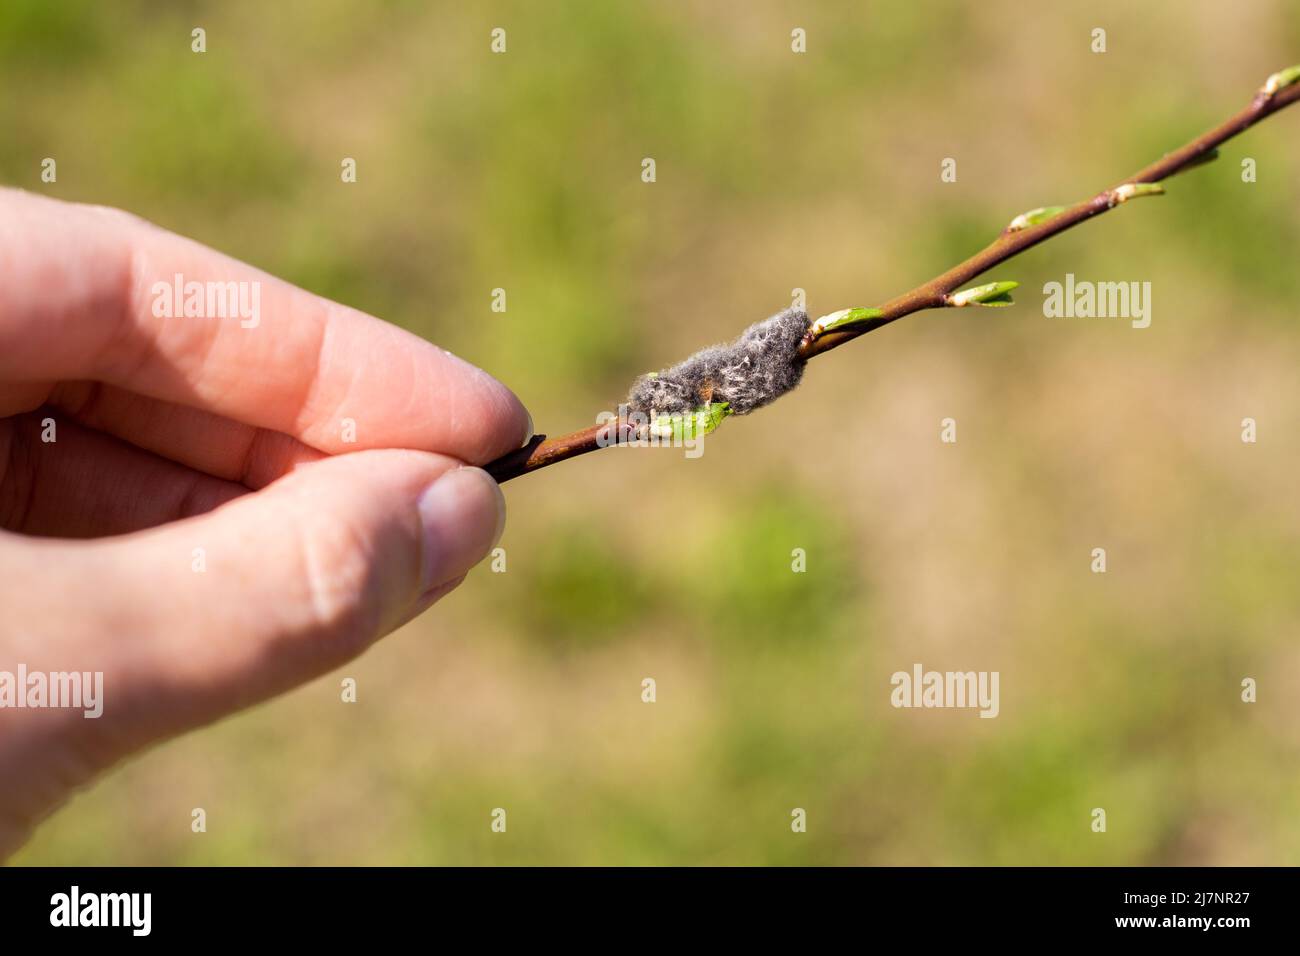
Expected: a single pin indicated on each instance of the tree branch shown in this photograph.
(1024, 232)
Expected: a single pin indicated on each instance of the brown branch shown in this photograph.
(541, 452)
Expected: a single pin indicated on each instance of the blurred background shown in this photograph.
(774, 171)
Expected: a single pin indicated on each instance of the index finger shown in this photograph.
(93, 293)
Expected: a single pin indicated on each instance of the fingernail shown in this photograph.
(463, 514)
(528, 436)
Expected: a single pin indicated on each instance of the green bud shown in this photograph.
(1034, 217)
(995, 294)
(1280, 80)
(1209, 156)
(693, 424)
(1122, 194)
(842, 318)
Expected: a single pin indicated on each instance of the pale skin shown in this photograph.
(200, 530)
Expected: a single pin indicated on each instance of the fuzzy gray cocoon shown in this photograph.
(753, 371)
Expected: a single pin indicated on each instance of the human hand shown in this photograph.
(178, 511)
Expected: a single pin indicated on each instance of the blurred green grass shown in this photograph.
(775, 171)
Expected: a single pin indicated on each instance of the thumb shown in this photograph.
(202, 617)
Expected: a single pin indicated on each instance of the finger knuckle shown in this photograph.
(337, 564)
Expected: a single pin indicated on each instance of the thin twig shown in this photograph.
(541, 452)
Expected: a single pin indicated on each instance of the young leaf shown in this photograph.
(1281, 79)
(1122, 194)
(842, 318)
(994, 294)
(1034, 217)
(692, 424)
